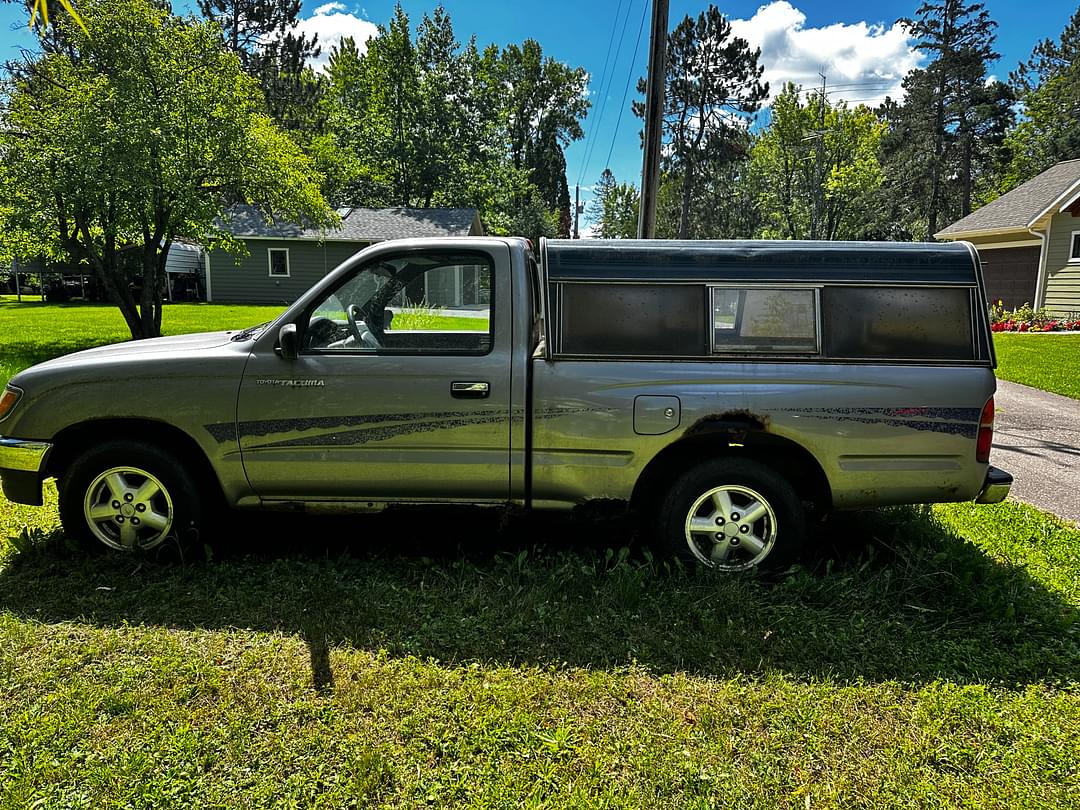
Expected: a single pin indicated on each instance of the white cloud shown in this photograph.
(332, 22)
(863, 62)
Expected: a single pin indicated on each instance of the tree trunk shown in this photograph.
(684, 209)
(150, 303)
(965, 178)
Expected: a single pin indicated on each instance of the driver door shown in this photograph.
(401, 390)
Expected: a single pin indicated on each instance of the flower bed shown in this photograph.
(1025, 319)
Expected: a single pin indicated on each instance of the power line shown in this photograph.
(603, 81)
(614, 67)
(626, 89)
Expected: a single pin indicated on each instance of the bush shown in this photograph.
(1026, 319)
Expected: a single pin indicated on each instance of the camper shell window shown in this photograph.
(789, 301)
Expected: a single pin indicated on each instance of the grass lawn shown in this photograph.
(1050, 362)
(31, 332)
(920, 659)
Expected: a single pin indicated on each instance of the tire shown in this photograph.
(127, 496)
(709, 495)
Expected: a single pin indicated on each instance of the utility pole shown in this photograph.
(654, 116)
(577, 209)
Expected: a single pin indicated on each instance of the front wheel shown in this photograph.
(127, 497)
(733, 515)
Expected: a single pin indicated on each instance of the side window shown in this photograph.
(757, 319)
(278, 260)
(898, 323)
(631, 320)
(429, 303)
(1074, 247)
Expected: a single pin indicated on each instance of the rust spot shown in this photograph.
(736, 423)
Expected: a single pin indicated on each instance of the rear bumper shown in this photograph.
(22, 463)
(995, 487)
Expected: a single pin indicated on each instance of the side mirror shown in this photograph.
(288, 346)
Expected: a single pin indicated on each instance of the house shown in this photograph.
(286, 258)
(1029, 241)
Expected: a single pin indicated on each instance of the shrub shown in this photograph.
(1026, 319)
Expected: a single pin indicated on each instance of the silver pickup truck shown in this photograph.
(724, 389)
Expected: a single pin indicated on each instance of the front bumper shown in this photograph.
(22, 463)
(995, 487)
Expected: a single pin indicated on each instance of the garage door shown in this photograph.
(1010, 274)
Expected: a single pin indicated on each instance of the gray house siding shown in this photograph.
(247, 279)
(1062, 296)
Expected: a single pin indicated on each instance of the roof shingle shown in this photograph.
(357, 224)
(1020, 206)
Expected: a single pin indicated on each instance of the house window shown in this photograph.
(279, 262)
(1074, 247)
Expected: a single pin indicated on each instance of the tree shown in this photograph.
(952, 122)
(543, 111)
(613, 210)
(712, 89)
(816, 169)
(263, 34)
(425, 122)
(151, 132)
(1048, 85)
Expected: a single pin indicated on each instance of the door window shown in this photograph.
(430, 303)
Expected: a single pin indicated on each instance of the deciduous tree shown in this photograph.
(816, 169)
(150, 132)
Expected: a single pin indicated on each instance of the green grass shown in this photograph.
(1050, 362)
(919, 659)
(33, 332)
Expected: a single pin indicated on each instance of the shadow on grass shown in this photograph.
(885, 595)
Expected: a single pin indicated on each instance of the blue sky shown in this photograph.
(854, 43)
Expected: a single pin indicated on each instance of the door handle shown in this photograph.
(470, 390)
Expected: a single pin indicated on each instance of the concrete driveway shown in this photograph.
(1037, 439)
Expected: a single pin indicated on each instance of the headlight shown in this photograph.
(8, 399)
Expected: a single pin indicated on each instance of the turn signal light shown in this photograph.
(8, 400)
(986, 432)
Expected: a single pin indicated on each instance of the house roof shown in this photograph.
(1023, 207)
(360, 224)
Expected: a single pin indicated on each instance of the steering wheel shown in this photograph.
(358, 327)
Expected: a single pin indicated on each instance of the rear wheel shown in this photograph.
(127, 496)
(733, 515)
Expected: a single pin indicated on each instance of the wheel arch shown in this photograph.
(733, 438)
(75, 439)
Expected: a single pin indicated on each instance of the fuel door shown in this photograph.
(655, 415)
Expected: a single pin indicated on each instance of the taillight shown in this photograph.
(986, 432)
(8, 400)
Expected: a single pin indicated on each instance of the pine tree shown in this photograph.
(263, 34)
(950, 114)
(613, 211)
(1048, 85)
(713, 88)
